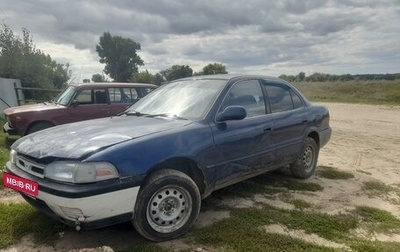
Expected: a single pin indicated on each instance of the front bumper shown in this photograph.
(8, 129)
(85, 205)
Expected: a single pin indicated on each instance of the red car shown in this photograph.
(78, 102)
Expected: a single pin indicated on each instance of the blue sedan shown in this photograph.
(154, 163)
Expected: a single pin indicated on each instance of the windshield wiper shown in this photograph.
(134, 113)
(137, 113)
(167, 115)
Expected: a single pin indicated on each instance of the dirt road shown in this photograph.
(365, 142)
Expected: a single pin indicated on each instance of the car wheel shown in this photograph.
(306, 163)
(167, 205)
(39, 126)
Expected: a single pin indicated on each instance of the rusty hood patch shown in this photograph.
(76, 140)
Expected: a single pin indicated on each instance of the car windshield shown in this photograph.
(187, 99)
(66, 96)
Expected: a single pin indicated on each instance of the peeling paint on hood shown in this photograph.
(75, 140)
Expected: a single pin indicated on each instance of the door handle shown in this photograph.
(268, 128)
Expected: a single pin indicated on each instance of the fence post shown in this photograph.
(17, 93)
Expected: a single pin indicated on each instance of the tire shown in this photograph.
(38, 127)
(167, 206)
(305, 165)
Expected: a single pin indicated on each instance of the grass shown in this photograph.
(17, 220)
(376, 186)
(243, 231)
(298, 203)
(367, 92)
(379, 220)
(333, 173)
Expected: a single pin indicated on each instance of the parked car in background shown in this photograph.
(153, 164)
(78, 102)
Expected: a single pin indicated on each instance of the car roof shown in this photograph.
(231, 77)
(113, 84)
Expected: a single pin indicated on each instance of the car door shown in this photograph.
(242, 145)
(121, 98)
(89, 103)
(290, 121)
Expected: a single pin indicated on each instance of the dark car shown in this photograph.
(78, 102)
(153, 164)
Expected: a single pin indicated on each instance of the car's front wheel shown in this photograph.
(167, 206)
(306, 163)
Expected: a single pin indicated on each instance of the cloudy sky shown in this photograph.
(247, 36)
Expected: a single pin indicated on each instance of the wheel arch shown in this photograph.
(314, 135)
(185, 165)
(33, 123)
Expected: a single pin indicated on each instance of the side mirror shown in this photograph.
(231, 113)
(74, 103)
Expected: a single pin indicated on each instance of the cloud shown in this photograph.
(257, 36)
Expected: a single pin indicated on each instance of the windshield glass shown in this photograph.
(189, 99)
(66, 96)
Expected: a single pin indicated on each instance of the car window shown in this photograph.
(115, 95)
(247, 94)
(91, 96)
(190, 99)
(279, 97)
(130, 95)
(297, 103)
(65, 97)
(145, 91)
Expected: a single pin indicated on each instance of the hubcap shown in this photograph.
(308, 159)
(169, 209)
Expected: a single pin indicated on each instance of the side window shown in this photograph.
(129, 95)
(297, 103)
(100, 96)
(247, 94)
(84, 97)
(279, 98)
(145, 91)
(115, 95)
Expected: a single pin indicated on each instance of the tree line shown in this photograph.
(20, 59)
(322, 77)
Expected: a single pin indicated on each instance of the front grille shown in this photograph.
(29, 166)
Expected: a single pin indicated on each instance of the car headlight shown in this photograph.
(80, 172)
(13, 156)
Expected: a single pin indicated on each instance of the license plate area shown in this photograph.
(20, 184)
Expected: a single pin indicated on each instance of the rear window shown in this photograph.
(279, 98)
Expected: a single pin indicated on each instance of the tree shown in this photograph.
(142, 77)
(119, 55)
(177, 71)
(301, 76)
(19, 59)
(158, 79)
(215, 68)
(98, 78)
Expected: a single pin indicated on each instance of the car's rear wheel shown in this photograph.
(167, 206)
(39, 126)
(305, 165)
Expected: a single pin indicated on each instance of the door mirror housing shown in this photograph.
(231, 113)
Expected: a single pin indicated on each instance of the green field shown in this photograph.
(366, 92)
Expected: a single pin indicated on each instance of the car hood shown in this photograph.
(32, 107)
(77, 140)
